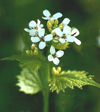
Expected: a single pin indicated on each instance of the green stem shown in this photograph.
(48, 72)
(46, 91)
(46, 101)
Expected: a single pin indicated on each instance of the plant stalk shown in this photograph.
(46, 90)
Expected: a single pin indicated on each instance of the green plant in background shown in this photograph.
(38, 72)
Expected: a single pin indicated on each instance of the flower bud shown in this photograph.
(53, 70)
(57, 72)
(59, 69)
(50, 30)
(56, 22)
(36, 48)
(33, 46)
(61, 26)
(49, 25)
(35, 52)
(32, 53)
(51, 21)
(27, 51)
(53, 33)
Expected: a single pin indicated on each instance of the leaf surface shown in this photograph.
(70, 79)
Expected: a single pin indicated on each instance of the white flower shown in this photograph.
(55, 55)
(61, 35)
(34, 28)
(66, 21)
(48, 16)
(71, 35)
(42, 39)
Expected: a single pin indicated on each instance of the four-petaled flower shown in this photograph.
(48, 16)
(71, 35)
(61, 35)
(34, 28)
(55, 55)
(42, 39)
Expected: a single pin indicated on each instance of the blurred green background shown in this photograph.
(84, 15)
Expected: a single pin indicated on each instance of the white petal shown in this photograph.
(38, 22)
(58, 32)
(52, 50)
(75, 32)
(35, 39)
(42, 45)
(27, 30)
(41, 32)
(67, 30)
(32, 32)
(41, 25)
(48, 37)
(70, 38)
(32, 24)
(66, 21)
(46, 18)
(78, 42)
(56, 61)
(59, 53)
(62, 40)
(46, 13)
(50, 57)
(57, 15)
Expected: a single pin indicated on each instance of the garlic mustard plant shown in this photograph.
(38, 63)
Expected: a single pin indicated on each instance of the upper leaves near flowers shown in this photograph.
(48, 16)
(42, 39)
(34, 27)
(55, 55)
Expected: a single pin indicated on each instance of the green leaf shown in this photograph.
(29, 81)
(70, 79)
(27, 60)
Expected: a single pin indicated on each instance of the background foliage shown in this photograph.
(14, 17)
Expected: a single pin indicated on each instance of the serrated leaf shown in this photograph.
(27, 60)
(70, 79)
(29, 81)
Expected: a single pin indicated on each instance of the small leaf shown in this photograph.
(29, 81)
(70, 79)
(27, 60)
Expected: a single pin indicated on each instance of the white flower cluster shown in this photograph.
(66, 33)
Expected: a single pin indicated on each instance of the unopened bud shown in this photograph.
(53, 33)
(61, 26)
(32, 53)
(27, 51)
(51, 21)
(56, 22)
(33, 46)
(59, 69)
(50, 30)
(57, 72)
(49, 25)
(35, 52)
(36, 48)
(53, 70)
